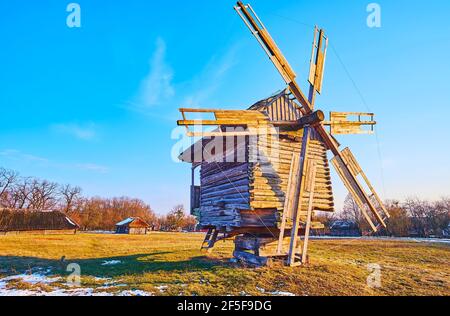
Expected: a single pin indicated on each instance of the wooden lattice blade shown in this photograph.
(341, 123)
(349, 170)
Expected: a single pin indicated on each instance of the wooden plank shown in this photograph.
(242, 122)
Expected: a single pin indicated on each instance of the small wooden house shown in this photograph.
(344, 228)
(243, 187)
(35, 222)
(132, 226)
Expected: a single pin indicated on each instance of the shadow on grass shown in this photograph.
(132, 265)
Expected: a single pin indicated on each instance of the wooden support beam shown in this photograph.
(311, 189)
(292, 182)
(297, 202)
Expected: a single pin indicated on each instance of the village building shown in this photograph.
(344, 228)
(133, 226)
(35, 222)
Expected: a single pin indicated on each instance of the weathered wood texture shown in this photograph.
(224, 192)
(341, 123)
(279, 107)
(244, 180)
(270, 173)
(252, 194)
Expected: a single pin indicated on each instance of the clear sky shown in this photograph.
(96, 106)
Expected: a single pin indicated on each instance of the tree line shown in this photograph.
(411, 217)
(91, 213)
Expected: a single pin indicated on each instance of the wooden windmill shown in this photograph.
(268, 200)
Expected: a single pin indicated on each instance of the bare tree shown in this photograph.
(21, 193)
(7, 179)
(418, 210)
(351, 210)
(43, 195)
(69, 196)
(399, 224)
(175, 219)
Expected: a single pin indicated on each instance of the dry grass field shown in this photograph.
(172, 264)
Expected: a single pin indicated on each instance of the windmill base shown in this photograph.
(262, 251)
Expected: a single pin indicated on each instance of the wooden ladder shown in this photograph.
(210, 239)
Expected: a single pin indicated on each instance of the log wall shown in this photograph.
(252, 194)
(270, 173)
(224, 191)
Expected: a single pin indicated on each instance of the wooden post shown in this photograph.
(297, 201)
(311, 184)
(288, 200)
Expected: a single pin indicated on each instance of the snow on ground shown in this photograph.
(111, 262)
(162, 288)
(35, 279)
(407, 239)
(31, 279)
(276, 293)
(281, 293)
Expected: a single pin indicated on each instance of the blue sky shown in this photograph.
(96, 106)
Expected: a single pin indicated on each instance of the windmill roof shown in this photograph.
(264, 106)
(260, 105)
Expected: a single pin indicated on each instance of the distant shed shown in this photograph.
(35, 222)
(344, 228)
(133, 226)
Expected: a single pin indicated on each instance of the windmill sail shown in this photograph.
(344, 162)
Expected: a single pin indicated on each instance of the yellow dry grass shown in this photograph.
(172, 264)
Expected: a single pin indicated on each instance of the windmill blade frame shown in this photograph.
(341, 162)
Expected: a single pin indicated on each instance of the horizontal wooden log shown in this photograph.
(226, 185)
(242, 190)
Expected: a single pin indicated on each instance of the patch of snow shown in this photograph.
(281, 293)
(120, 285)
(14, 292)
(162, 288)
(261, 289)
(102, 279)
(134, 293)
(406, 239)
(111, 262)
(37, 278)
(110, 286)
(68, 292)
(31, 278)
